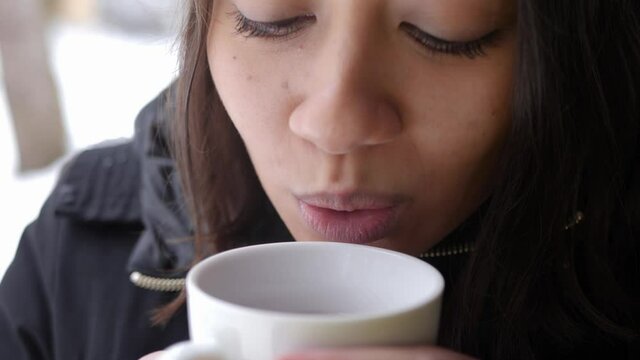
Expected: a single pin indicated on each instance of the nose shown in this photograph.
(338, 122)
(347, 107)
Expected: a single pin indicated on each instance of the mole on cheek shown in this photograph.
(249, 77)
(235, 57)
(285, 85)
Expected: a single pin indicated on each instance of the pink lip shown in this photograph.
(353, 218)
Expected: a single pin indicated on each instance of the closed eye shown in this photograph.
(470, 49)
(280, 29)
(286, 28)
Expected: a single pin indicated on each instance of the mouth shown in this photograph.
(357, 218)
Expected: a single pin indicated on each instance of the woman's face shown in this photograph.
(368, 121)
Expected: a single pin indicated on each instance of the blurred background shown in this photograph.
(73, 73)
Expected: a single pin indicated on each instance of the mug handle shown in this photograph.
(189, 350)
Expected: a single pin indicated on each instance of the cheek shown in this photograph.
(459, 130)
(248, 96)
(256, 99)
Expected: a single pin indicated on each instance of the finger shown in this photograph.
(417, 353)
(152, 356)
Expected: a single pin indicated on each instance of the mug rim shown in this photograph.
(431, 297)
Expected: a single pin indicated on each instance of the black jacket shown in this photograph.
(68, 295)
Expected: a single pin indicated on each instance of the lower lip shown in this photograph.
(356, 227)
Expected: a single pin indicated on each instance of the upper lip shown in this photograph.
(352, 201)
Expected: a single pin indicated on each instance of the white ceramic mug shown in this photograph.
(264, 301)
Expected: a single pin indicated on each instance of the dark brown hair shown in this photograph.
(530, 285)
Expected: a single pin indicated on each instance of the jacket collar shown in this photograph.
(165, 247)
(134, 184)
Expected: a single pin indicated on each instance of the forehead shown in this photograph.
(442, 7)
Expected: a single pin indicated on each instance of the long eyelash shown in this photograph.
(470, 49)
(282, 29)
(275, 29)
